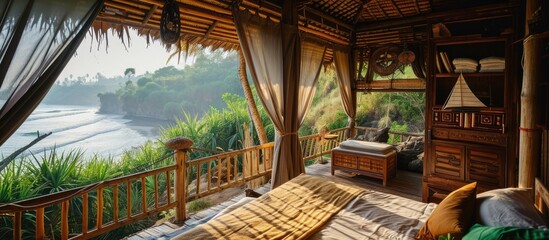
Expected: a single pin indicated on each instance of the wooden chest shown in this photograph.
(372, 162)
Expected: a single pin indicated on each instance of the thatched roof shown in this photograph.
(344, 22)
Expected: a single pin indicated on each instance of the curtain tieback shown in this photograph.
(284, 135)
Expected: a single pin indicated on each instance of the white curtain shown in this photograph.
(312, 56)
(343, 71)
(37, 39)
(261, 44)
(273, 55)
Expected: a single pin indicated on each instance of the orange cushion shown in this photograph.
(453, 215)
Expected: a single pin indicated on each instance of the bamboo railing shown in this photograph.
(394, 136)
(84, 199)
(316, 145)
(160, 189)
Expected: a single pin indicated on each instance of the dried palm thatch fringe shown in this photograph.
(188, 44)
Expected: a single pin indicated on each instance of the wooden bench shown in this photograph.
(377, 160)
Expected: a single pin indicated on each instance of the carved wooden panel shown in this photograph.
(486, 165)
(493, 121)
(447, 118)
(448, 161)
(496, 139)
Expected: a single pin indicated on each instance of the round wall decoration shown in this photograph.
(385, 60)
(170, 22)
(406, 57)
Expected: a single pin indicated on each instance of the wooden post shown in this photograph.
(180, 145)
(40, 224)
(529, 153)
(17, 225)
(65, 220)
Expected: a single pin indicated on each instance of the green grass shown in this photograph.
(198, 205)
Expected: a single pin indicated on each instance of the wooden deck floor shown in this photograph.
(405, 184)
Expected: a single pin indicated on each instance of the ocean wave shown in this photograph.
(38, 150)
(62, 114)
(66, 128)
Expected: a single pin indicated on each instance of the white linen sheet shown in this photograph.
(372, 215)
(377, 215)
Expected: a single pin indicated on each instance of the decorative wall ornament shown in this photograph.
(385, 60)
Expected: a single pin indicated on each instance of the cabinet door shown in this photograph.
(486, 165)
(448, 160)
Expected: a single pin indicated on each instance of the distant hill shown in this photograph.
(168, 92)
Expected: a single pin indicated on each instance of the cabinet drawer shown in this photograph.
(486, 166)
(448, 161)
(371, 165)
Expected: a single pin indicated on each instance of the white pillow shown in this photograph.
(509, 207)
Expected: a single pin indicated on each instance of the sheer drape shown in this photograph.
(343, 73)
(312, 55)
(37, 39)
(418, 66)
(273, 55)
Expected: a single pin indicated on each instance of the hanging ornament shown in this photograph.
(406, 56)
(170, 22)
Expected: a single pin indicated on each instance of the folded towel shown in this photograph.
(492, 60)
(465, 61)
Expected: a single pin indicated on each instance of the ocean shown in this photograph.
(80, 127)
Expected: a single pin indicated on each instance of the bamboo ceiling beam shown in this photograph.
(137, 24)
(125, 8)
(149, 14)
(140, 5)
(210, 29)
(328, 17)
(381, 9)
(397, 8)
(422, 19)
(359, 12)
(371, 14)
(324, 35)
(265, 6)
(416, 5)
(195, 10)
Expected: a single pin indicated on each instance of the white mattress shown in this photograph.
(372, 215)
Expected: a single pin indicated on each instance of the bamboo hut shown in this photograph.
(502, 143)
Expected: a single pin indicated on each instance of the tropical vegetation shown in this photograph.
(168, 92)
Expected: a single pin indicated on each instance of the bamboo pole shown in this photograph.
(144, 195)
(129, 199)
(84, 213)
(180, 146)
(115, 202)
(40, 223)
(99, 218)
(17, 225)
(168, 188)
(529, 147)
(65, 220)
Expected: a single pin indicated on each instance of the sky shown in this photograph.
(114, 60)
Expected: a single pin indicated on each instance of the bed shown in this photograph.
(310, 207)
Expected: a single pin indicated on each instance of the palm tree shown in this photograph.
(129, 72)
(252, 106)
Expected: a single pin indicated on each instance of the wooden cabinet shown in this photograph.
(471, 144)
